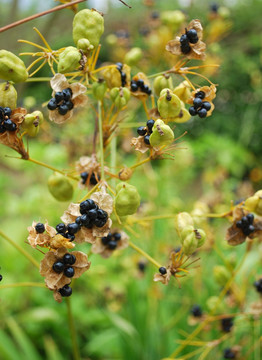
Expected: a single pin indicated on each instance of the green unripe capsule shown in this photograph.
(169, 105)
(84, 44)
(182, 220)
(32, 123)
(127, 199)
(60, 187)
(162, 134)
(221, 274)
(189, 244)
(99, 89)
(133, 56)
(12, 68)
(162, 82)
(120, 96)
(8, 95)
(68, 60)
(254, 203)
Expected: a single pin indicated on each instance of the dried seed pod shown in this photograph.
(8, 95)
(120, 96)
(99, 89)
(169, 105)
(88, 24)
(127, 199)
(31, 123)
(112, 76)
(11, 67)
(162, 82)
(68, 60)
(162, 134)
(125, 174)
(60, 187)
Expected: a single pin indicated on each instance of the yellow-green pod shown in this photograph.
(12, 68)
(88, 24)
(84, 44)
(189, 244)
(68, 60)
(127, 199)
(169, 105)
(183, 91)
(162, 82)
(254, 203)
(173, 18)
(221, 274)
(162, 134)
(133, 56)
(182, 220)
(120, 96)
(183, 115)
(112, 75)
(8, 95)
(32, 123)
(99, 89)
(60, 187)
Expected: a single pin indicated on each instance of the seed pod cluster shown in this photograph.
(141, 86)
(200, 107)
(190, 37)
(146, 131)
(111, 240)
(246, 224)
(61, 101)
(6, 124)
(93, 179)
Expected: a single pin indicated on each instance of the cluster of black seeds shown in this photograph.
(229, 354)
(6, 124)
(111, 240)
(139, 84)
(258, 285)
(61, 101)
(190, 37)
(196, 311)
(65, 265)
(66, 291)
(246, 224)
(200, 107)
(146, 131)
(119, 67)
(226, 324)
(93, 178)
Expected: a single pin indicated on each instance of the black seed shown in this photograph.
(67, 94)
(147, 139)
(200, 94)
(239, 224)
(73, 228)
(52, 105)
(13, 127)
(2, 113)
(196, 311)
(86, 221)
(154, 15)
(87, 205)
(226, 324)
(40, 228)
(214, 8)
(119, 66)
(78, 220)
(69, 272)
(93, 180)
(248, 230)
(61, 228)
(258, 285)
(68, 104)
(197, 103)
(69, 259)
(185, 49)
(192, 111)
(149, 92)
(184, 40)
(84, 176)
(100, 222)
(150, 124)
(140, 83)
(141, 266)
(202, 113)
(123, 76)
(112, 245)
(7, 111)
(117, 236)
(59, 96)
(245, 221)
(192, 36)
(92, 214)
(68, 236)
(2, 129)
(58, 267)
(229, 354)
(146, 89)
(66, 291)
(162, 270)
(102, 214)
(62, 109)
(250, 218)
(134, 87)
(141, 130)
(8, 124)
(1, 277)
(206, 105)
(105, 240)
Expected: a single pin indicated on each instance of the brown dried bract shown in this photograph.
(10, 138)
(197, 50)
(59, 83)
(139, 144)
(89, 165)
(55, 281)
(99, 248)
(164, 279)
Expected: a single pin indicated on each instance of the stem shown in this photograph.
(52, 168)
(101, 141)
(140, 163)
(38, 79)
(89, 193)
(72, 329)
(113, 157)
(153, 217)
(23, 284)
(20, 249)
(35, 16)
(143, 253)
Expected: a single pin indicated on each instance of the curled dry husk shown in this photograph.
(59, 83)
(139, 144)
(99, 248)
(197, 50)
(104, 202)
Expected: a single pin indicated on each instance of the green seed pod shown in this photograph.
(88, 24)
(254, 203)
(99, 89)
(113, 77)
(173, 18)
(183, 116)
(133, 56)
(60, 187)
(68, 60)
(183, 220)
(189, 244)
(221, 275)
(127, 199)
(8, 95)
(200, 236)
(32, 123)
(84, 45)
(214, 305)
(169, 105)
(11, 67)
(183, 91)
(162, 82)
(162, 134)
(120, 96)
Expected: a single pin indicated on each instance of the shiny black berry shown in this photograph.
(192, 111)
(105, 240)
(192, 36)
(2, 129)
(185, 48)
(7, 111)
(112, 245)
(67, 94)
(62, 109)
(68, 104)
(73, 228)
(94, 178)
(117, 236)
(134, 87)
(229, 354)
(184, 39)
(66, 291)
(1, 277)
(61, 228)
(84, 176)
(87, 205)
(206, 105)
(78, 220)
(200, 94)
(150, 124)
(8, 124)
(92, 214)
(58, 267)
(196, 311)
(258, 285)
(119, 66)
(140, 83)
(102, 214)
(141, 130)
(86, 221)
(147, 139)
(52, 105)
(202, 113)
(197, 103)
(100, 222)
(69, 259)
(59, 96)
(226, 324)
(250, 218)
(69, 272)
(162, 270)
(40, 228)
